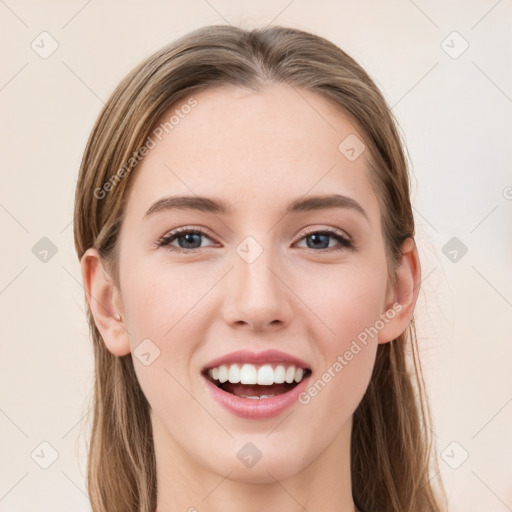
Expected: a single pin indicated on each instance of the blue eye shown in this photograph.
(320, 238)
(187, 239)
(190, 239)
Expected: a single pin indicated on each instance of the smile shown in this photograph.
(256, 381)
(254, 401)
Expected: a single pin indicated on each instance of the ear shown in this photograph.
(401, 298)
(105, 303)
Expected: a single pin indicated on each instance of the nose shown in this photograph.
(257, 294)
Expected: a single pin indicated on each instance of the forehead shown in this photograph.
(253, 147)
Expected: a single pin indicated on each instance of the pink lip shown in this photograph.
(261, 409)
(257, 358)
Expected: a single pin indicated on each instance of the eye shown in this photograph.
(187, 238)
(319, 239)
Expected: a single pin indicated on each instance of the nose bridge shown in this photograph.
(256, 295)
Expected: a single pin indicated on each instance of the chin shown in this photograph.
(257, 462)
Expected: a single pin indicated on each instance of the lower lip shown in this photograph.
(254, 409)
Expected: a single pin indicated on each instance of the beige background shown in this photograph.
(456, 117)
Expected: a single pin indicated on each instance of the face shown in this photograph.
(261, 276)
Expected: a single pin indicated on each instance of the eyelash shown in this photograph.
(167, 239)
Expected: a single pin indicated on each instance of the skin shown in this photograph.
(258, 151)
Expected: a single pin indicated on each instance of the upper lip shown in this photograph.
(256, 358)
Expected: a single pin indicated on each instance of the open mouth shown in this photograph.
(250, 382)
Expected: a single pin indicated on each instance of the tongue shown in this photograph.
(255, 389)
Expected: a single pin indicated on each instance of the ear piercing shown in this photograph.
(117, 316)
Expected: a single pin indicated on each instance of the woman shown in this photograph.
(246, 237)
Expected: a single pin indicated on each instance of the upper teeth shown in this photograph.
(250, 374)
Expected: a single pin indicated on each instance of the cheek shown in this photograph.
(159, 300)
(350, 306)
(354, 308)
(163, 323)
(167, 312)
(350, 300)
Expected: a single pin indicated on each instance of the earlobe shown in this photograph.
(105, 304)
(402, 298)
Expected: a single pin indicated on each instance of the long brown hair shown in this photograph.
(391, 447)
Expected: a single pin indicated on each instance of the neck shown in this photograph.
(184, 483)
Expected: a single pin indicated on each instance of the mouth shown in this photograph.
(256, 382)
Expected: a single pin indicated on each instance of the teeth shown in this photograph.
(279, 374)
(248, 374)
(223, 373)
(234, 373)
(258, 397)
(290, 374)
(264, 375)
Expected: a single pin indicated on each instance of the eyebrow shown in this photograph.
(217, 206)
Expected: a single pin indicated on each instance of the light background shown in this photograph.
(455, 114)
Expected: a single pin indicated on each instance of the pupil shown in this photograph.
(188, 237)
(316, 237)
